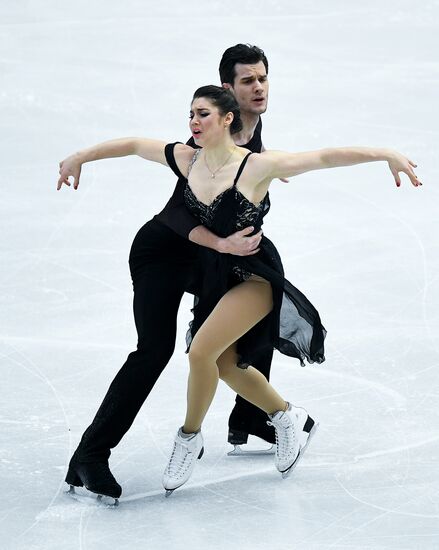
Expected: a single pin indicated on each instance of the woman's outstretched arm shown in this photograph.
(240, 243)
(276, 164)
(150, 149)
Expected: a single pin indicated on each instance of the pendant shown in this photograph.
(213, 176)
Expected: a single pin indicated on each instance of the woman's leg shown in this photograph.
(249, 383)
(212, 354)
(234, 315)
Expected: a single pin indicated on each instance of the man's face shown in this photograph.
(250, 87)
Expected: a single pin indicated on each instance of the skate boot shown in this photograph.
(293, 434)
(95, 476)
(248, 420)
(183, 458)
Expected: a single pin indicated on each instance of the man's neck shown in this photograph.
(249, 123)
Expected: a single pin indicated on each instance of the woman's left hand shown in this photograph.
(400, 163)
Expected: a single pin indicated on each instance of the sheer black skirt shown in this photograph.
(293, 327)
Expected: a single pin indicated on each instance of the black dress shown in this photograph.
(293, 327)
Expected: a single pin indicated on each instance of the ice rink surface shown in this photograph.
(366, 253)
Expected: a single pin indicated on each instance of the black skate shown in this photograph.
(245, 421)
(96, 477)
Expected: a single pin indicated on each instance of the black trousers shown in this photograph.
(163, 267)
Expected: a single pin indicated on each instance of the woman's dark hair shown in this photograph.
(241, 53)
(224, 101)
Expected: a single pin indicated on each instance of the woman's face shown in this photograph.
(206, 122)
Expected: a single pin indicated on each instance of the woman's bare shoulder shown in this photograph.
(183, 155)
(184, 151)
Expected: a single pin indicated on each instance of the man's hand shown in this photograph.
(239, 244)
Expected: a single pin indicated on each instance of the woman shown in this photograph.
(244, 305)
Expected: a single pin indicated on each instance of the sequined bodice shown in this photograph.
(247, 213)
(230, 211)
(240, 212)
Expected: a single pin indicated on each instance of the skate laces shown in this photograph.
(285, 435)
(180, 459)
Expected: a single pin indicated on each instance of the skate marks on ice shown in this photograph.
(354, 457)
(87, 498)
(69, 504)
(384, 457)
(400, 449)
(35, 431)
(390, 405)
(427, 269)
(322, 464)
(100, 500)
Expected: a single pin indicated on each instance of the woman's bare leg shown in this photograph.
(236, 313)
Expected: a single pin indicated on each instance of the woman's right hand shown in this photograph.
(71, 166)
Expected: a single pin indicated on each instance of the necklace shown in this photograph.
(214, 173)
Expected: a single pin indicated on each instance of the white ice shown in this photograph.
(365, 253)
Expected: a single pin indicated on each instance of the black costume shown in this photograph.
(293, 326)
(163, 265)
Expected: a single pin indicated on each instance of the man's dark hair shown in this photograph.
(225, 101)
(241, 53)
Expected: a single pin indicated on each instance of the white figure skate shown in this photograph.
(293, 434)
(182, 462)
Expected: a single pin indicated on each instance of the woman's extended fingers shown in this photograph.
(413, 177)
(69, 167)
(411, 174)
(397, 178)
(405, 165)
(62, 180)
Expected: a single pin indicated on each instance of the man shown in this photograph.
(163, 267)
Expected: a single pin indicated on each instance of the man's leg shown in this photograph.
(157, 295)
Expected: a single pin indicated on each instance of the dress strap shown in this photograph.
(241, 168)
(170, 159)
(192, 162)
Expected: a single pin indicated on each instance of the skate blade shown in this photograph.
(239, 451)
(301, 452)
(105, 500)
(100, 500)
(169, 492)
